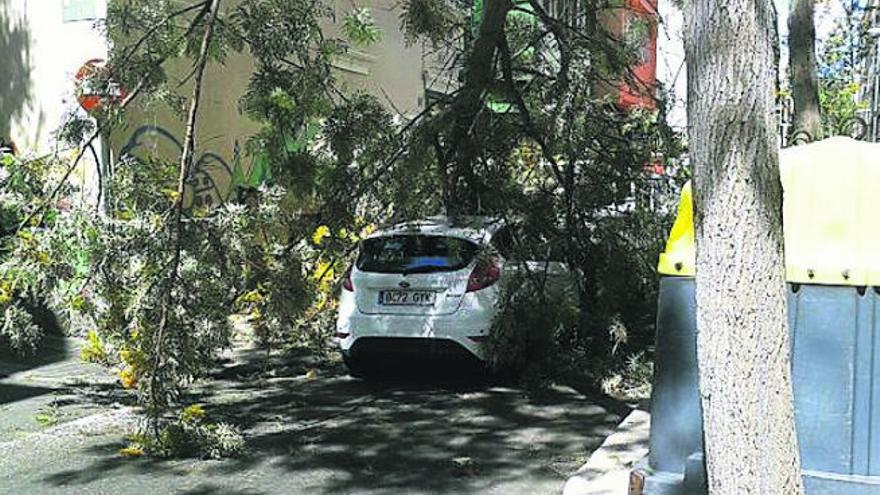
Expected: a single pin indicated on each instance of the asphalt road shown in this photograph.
(311, 429)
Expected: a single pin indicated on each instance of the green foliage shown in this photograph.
(434, 20)
(94, 350)
(631, 381)
(624, 275)
(560, 158)
(545, 145)
(839, 104)
(841, 56)
(19, 329)
(546, 334)
(43, 264)
(259, 260)
(239, 248)
(533, 324)
(359, 27)
(191, 435)
(251, 255)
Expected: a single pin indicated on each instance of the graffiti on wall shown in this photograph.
(210, 182)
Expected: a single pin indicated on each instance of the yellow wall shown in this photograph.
(221, 131)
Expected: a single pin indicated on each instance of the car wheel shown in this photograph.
(357, 368)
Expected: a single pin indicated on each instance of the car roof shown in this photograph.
(478, 229)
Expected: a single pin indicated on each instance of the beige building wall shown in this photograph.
(390, 70)
(42, 45)
(44, 42)
(221, 132)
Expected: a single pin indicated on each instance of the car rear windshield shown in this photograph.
(415, 254)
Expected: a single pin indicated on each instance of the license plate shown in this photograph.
(407, 297)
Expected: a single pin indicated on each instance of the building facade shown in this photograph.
(43, 43)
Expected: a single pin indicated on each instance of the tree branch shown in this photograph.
(186, 162)
(479, 76)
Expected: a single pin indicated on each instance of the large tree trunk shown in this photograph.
(479, 73)
(742, 342)
(804, 69)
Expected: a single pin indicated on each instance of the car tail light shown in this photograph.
(346, 281)
(484, 275)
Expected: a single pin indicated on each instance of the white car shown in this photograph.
(427, 287)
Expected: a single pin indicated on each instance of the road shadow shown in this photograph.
(53, 348)
(424, 428)
(16, 392)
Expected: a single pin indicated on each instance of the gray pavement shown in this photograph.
(311, 429)
(55, 387)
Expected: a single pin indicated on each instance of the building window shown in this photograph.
(79, 10)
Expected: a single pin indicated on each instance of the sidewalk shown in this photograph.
(607, 471)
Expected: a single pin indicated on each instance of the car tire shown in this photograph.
(357, 368)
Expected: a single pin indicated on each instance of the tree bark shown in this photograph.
(186, 157)
(804, 68)
(186, 161)
(743, 341)
(479, 74)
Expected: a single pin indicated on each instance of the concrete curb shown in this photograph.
(607, 470)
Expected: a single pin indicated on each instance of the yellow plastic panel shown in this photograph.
(831, 216)
(679, 258)
(832, 222)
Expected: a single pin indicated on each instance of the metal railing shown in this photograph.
(865, 126)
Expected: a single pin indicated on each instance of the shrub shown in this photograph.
(222, 440)
(631, 382)
(532, 323)
(612, 316)
(622, 269)
(43, 264)
(19, 329)
(94, 350)
(191, 435)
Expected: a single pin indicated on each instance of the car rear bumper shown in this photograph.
(413, 335)
(401, 349)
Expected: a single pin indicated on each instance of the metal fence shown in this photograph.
(864, 126)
